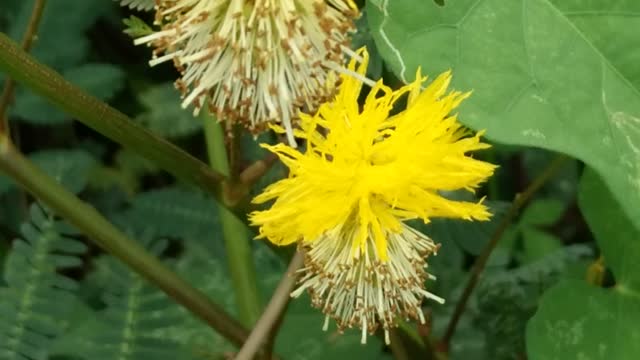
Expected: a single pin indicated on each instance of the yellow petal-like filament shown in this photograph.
(363, 173)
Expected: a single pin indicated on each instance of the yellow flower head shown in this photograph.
(362, 174)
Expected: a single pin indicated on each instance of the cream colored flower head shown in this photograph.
(363, 173)
(253, 61)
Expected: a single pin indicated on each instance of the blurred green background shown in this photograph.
(548, 78)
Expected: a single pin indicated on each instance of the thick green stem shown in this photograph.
(99, 116)
(236, 236)
(109, 238)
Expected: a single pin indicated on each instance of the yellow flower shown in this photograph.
(253, 61)
(363, 173)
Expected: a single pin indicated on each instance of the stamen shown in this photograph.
(254, 62)
(343, 70)
(362, 291)
(352, 54)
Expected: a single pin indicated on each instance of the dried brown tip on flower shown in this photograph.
(253, 62)
(362, 291)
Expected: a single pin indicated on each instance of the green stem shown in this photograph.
(410, 332)
(27, 41)
(109, 238)
(42, 80)
(236, 236)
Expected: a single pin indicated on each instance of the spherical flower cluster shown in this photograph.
(253, 61)
(362, 174)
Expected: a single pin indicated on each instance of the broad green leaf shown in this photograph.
(363, 37)
(577, 320)
(538, 77)
(164, 114)
(563, 185)
(617, 237)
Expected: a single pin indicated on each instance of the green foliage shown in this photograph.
(535, 241)
(176, 213)
(508, 298)
(136, 27)
(63, 45)
(132, 322)
(363, 37)
(37, 299)
(100, 80)
(577, 318)
(547, 76)
(551, 74)
(138, 4)
(301, 336)
(164, 115)
(71, 168)
(470, 236)
(125, 174)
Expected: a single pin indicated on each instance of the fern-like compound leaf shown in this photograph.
(136, 316)
(37, 297)
(138, 4)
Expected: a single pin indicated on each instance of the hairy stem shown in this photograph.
(113, 241)
(236, 236)
(106, 120)
(481, 261)
(261, 332)
(27, 41)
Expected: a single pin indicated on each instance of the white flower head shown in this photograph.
(253, 61)
(362, 291)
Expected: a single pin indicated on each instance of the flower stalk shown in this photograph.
(236, 237)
